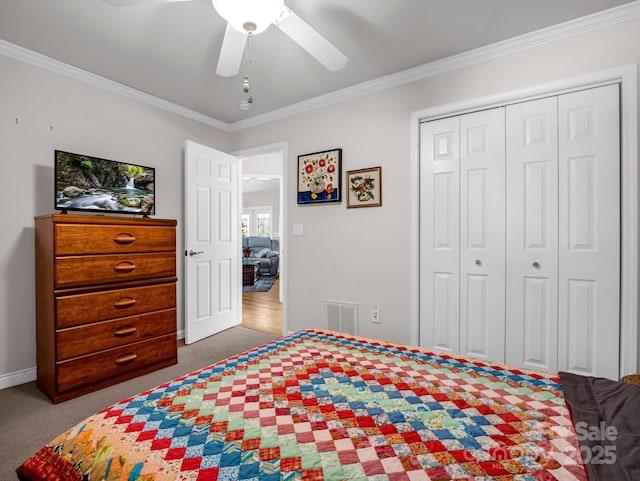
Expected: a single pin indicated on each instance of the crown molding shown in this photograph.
(612, 16)
(627, 12)
(29, 56)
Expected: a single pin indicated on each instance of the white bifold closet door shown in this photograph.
(482, 239)
(589, 240)
(462, 217)
(440, 235)
(563, 233)
(520, 233)
(532, 234)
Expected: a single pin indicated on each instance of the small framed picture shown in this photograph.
(319, 177)
(364, 187)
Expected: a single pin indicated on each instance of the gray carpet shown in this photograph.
(28, 419)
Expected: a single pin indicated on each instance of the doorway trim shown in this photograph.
(626, 77)
(283, 149)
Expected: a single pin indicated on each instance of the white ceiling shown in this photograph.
(252, 185)
(170, 50)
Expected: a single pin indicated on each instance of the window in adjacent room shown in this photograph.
(245, 222)
(257, 221)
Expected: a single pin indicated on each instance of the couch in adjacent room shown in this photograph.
(265, 250)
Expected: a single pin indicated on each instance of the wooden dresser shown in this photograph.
(105, 300)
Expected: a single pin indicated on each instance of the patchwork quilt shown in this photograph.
(317, 405)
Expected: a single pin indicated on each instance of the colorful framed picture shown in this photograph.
(364, 187)
(320, 177)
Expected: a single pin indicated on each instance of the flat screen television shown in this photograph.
(91, 184)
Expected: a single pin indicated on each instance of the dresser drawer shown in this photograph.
(107, 269)
(85, 339)
(80, 309)
(74, 239)
(85, 370)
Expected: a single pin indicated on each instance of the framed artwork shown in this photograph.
(364, 187)
(320, 177)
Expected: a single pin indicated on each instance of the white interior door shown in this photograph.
(589, 245)
(439, 234)
(482, 234)
(532, 234)
(212, 286)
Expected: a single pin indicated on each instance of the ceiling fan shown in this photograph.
(251, 17)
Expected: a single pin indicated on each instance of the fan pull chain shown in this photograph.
(246, 87)
(247, 47)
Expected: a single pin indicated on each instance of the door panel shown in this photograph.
(482, 224)
(444, 231)
(476, 208)
(477, 334)
(204, 276)
(532, 234)
(536, 216)
(444, 311)
(439, 235)
(589, 237)
(581, 195)
(580, 326)
(539, 321)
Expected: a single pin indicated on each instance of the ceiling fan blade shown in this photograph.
(309, 39)
(131, 3)
(231, 52)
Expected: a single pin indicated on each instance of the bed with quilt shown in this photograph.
(317, 405)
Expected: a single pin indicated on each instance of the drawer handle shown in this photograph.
(125, 302)
(124, 239)
(125, 331)
(125, 267)
(126, 359)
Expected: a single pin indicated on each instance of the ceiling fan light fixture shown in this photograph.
(243, 15)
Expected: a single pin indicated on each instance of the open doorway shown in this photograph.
(261, 226)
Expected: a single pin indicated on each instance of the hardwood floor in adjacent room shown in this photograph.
(262, 311)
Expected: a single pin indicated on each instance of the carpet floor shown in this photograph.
(29, 420)
(262, 284)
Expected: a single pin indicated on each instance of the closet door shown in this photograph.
(482, 234)
(439, 235)
(532, 234)
(589, 242)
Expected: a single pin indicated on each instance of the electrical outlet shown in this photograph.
(375, 315)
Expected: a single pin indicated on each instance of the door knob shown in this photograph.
(537, 265)
(195, 253)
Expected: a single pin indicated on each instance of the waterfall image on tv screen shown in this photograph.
(88, 183)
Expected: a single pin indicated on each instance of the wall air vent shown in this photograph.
(341, 317)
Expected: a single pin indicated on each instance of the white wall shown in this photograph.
(353, 255)
(56, 112)
(363, 255)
